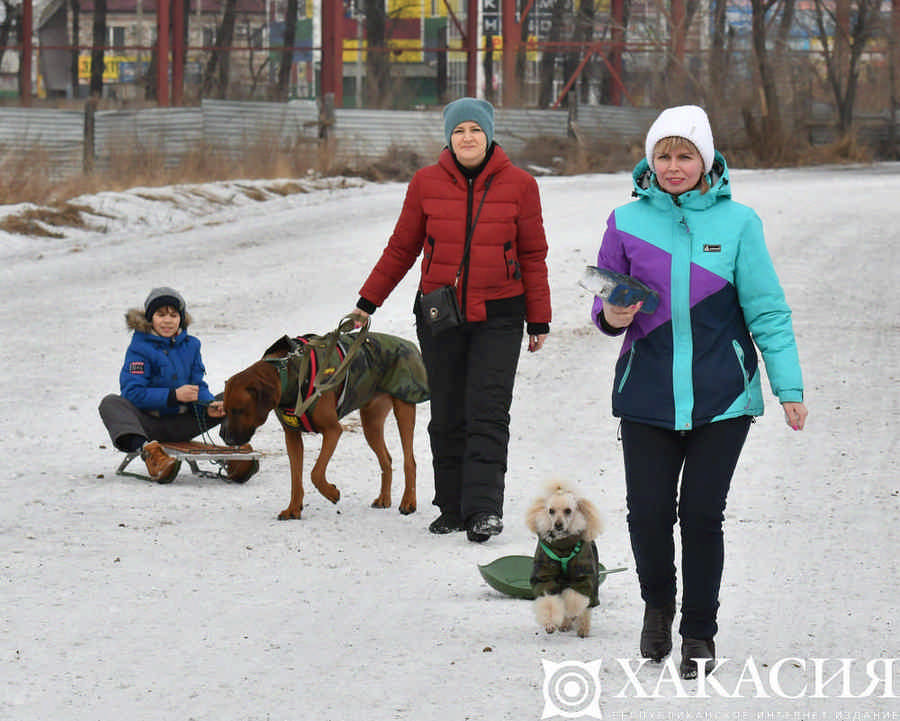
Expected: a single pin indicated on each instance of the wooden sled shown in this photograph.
(193, 453)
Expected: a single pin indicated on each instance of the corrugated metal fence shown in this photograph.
(58, 137)
(234, 128)
(169, 133)
(55, 137)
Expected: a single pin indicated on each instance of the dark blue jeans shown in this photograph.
(471, 372)
(705, 459)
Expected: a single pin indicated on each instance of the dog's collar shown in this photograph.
(564, 562)
(296, 372)
(289, 366)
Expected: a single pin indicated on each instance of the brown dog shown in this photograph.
(386, 372)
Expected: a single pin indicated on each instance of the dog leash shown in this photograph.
(205, 435)
(335, 376)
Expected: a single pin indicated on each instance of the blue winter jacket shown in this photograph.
(692, 361)
(155, 366)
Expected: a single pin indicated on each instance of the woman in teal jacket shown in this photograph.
(687, 381)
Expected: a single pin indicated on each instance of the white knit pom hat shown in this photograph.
(683, 121)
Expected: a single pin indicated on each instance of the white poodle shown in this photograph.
(565, 577)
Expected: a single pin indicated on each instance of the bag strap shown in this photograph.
(470, 231)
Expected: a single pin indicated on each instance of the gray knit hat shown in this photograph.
(474, 109)
(160, 297)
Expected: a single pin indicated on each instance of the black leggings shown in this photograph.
(705, 458)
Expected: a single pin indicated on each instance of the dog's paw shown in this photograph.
(290, 513)
(330, 492)
(566, 625)
(407, 505)
(382, 502)
(583, 626)
(550, 628)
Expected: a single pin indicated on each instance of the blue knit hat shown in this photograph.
(474, 109)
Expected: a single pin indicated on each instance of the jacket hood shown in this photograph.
(136, 320)
(645, 186)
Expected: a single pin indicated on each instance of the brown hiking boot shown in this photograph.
(160, 465)
(241, 471)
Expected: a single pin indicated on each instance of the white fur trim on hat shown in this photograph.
(684, 121)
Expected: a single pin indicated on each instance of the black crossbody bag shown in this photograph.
(440, 308)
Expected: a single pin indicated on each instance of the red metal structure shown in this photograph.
(25, 61)
(162, 40)
(178, 51)
(512, 33)
(618, 47)
(332, 50)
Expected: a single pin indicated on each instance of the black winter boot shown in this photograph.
(696, 648)
(481, 526)
(656, 635)
(446, 523)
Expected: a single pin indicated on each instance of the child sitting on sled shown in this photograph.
(163, 394)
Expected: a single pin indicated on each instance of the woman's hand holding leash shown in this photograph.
(359, 317)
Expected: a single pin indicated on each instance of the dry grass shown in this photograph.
(35, 220)
(844, 150)
(29, 178)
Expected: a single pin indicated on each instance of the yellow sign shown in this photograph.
(110, 66)
(400, 51)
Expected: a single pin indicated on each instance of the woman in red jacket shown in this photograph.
(476, 221)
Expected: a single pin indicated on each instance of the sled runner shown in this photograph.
(511, 575)
(193, 453)
(618, 288)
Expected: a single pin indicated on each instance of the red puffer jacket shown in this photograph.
(508, 251)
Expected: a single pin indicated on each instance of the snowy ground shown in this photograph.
(122, 599)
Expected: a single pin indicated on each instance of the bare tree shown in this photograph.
(282, 91)
(584, 33)
(680, 86)
(559, 18)
(768, 139)
(844, 31)
(215, 75)
(97, 51)
(256, 69)
(378, 66)
(75, 6)
(186, 36)
(894, 71)
(720, 50)
(11, 23)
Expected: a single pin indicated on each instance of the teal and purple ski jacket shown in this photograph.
(692, 361)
